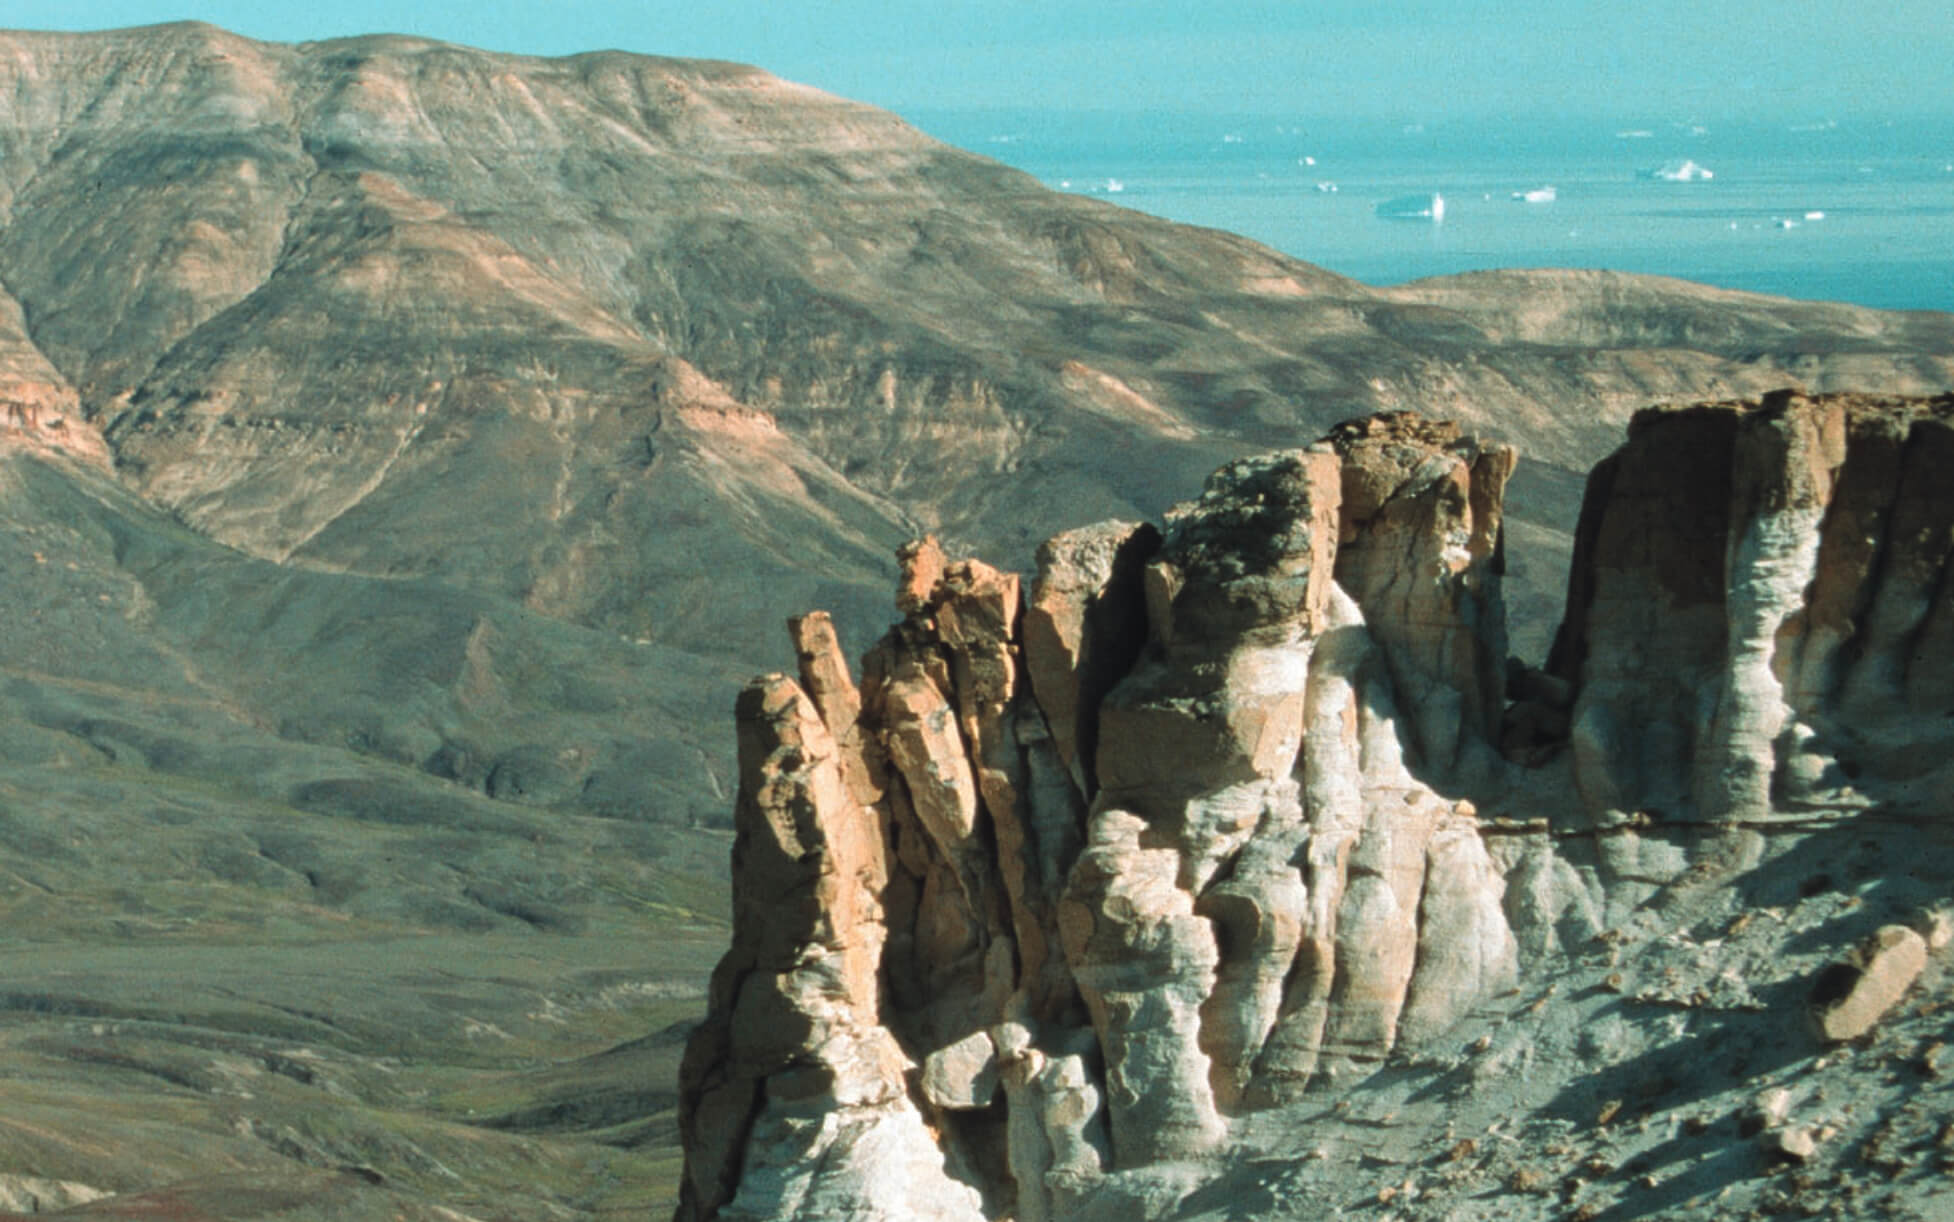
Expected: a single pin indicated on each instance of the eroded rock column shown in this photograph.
(1196, 754)
(793, 1091)
(1421, 549)
(1760, 611)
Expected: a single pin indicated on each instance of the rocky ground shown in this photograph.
(1669, 1070)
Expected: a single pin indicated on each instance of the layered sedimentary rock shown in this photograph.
(39, 410)
(1153, 847)
(1086, 874)
(1760, 619)
(1421, 550)
(799, 1092)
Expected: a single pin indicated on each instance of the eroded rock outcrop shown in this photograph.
(1135, 854)
(1760, 620)
(796, 1091)
(1082, 877)
(39, 410)
(1421, 549)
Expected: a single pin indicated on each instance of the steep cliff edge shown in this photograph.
(1112, 875)
(1770, 585)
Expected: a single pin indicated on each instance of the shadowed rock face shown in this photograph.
(1760, 618)
(1272, 875)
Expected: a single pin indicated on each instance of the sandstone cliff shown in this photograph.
(1765, 592)
(1216, 815)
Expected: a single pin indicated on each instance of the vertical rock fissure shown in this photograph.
(1853, 556)
(1929, 458)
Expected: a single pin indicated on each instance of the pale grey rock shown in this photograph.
(1769, 1110)
(1420, 544)
(1057, 1144)
(1466, 948)
(1144, 963)
(1553, 906)
(29, 1194)
(1783, 468)
(1795, 1144)
(1260, 908)
(812, 1159)
(1777, 646)
(962, 1075)
(1275, 871)
(1936, 926)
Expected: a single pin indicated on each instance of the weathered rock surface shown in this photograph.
(374, 661)
(29, 1195)
(797, 1091)
(1759, 617)
(1193, 829)
(1422, 552)
(1243, 885)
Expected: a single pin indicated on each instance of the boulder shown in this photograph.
(1850, 997)
(962, 1075)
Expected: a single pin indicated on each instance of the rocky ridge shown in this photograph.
(1096, 879)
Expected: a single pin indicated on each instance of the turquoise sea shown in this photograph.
(1836, 210)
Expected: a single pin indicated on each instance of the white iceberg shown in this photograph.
(1414, 208)
(1680, 171)
(1539, 195)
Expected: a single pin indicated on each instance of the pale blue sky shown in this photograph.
(1706, 58)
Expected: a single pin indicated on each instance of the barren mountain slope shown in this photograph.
(410, 309)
